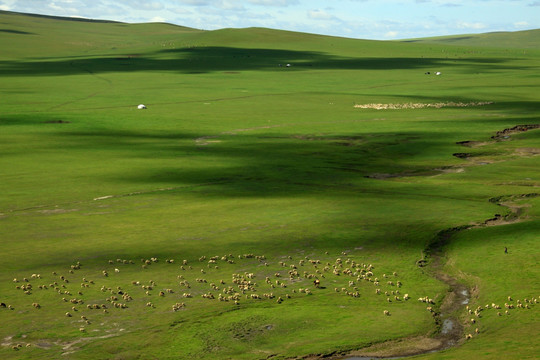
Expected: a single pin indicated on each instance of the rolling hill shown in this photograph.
(352, 203)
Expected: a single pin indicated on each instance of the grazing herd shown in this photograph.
(525, 304)
(277, 281)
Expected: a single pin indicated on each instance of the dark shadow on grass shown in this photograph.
(272, 165)
(17, 32)
(199, 60)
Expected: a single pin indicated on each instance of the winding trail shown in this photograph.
(447, 323)
(449, 328)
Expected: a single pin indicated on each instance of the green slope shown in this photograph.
(31, 36)
(526, 39)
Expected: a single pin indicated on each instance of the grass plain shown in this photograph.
(237, 155)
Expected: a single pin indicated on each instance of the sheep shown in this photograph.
(68, 314)
(477, 331)
(116, 270)
(386, 312)
(468, 337)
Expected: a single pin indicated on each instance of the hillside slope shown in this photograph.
(527, 39)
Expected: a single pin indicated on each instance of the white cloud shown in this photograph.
(521, 24)
(449, 4)
(230, 5)
(275, 3)
(158, 19)
(180, 11)
(320, 15)
(474, 26)
(142, 4)
(391, 34)
(195, 2)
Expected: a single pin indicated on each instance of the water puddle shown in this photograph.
(447, 326)
(465, 294)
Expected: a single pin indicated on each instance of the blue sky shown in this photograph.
(366, 19)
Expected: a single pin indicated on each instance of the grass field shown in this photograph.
(262, 178)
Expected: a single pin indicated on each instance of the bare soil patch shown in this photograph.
(472, 144)
(529, 151)
(505, 134)
(56, 211)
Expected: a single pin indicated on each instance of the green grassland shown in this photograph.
(271, 170)
(526, 39)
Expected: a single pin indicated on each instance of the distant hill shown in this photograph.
(528, 39)
(34, 37)
(23, 35)
(30, 36)
(63, 18)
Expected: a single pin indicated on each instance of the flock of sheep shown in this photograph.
(277, 281)
(420, 105)
(196, 280)
(476, 313)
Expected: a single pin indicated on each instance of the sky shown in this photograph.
(364, 19)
